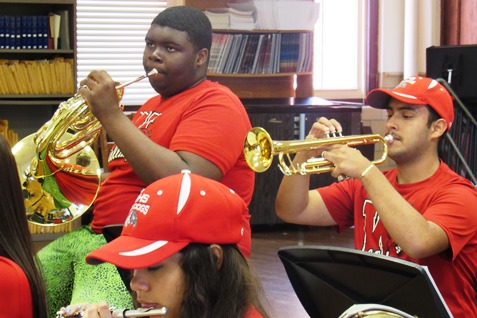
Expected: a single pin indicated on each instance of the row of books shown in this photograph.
(256, 53)
(23, 32)
(54, 76)
(35, 32)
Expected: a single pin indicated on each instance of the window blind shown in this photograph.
(110, 37)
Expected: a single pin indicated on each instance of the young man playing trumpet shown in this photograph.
(420, 211)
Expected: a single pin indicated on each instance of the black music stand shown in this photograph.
(329, 280)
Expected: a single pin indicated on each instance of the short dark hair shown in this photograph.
(433, 116)
(190, 20)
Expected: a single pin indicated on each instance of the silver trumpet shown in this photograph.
(123, 313)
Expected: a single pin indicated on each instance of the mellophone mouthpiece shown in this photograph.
(152, 72)
(123, 313)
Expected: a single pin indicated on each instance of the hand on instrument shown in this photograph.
(99, 91)
(86, 310)
(348, 162)
(324, 128)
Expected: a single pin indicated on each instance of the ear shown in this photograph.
(202, 56)
(218, 253)
(439, 128)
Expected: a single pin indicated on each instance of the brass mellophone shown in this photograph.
(131, 313)
(58, 167)
(259, 149)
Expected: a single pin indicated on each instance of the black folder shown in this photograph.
(330, 280)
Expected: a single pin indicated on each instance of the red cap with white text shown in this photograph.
(416, 90)
(171, 213)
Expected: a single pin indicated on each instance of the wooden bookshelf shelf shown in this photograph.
(260, 31)
(35, 51)
(33, 100)
(259, 75)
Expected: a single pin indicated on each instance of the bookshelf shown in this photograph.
(240, 59)
(35, 75)
(32, 53)
(44, 76)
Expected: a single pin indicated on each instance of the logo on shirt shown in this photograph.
(376, 238)
(143, 121)
(147, 118)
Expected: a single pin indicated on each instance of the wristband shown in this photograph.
(365, 172)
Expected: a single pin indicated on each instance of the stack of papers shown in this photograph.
(219, 18)
(241, 20)
(286, 14)
(231, 18)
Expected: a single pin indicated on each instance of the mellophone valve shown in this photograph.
(123, 313)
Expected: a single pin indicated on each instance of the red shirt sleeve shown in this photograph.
(15, 290)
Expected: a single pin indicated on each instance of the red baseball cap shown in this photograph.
(416, 90)
(171, 213)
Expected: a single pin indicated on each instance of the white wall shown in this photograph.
(406, 29)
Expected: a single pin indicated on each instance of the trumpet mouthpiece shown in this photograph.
(389, 139)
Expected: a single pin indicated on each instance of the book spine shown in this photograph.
(2, 31)
(18, 33)
(43, 31)
(34, 32)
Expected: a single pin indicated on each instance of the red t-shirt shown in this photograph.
(208, 120)
(253, 313)
(446, 199)
(15, 300)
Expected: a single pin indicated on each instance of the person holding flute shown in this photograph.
(420, 211)
(192, 123)
(181, 239)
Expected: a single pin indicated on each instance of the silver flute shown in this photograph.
(124, 313)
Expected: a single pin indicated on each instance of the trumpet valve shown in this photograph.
(334, 134)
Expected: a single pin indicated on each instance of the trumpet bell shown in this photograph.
(56, 191)
(258, 149)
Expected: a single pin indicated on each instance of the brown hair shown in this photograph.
(15, 238)
(228, 290)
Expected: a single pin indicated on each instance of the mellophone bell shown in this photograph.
(59, 171)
